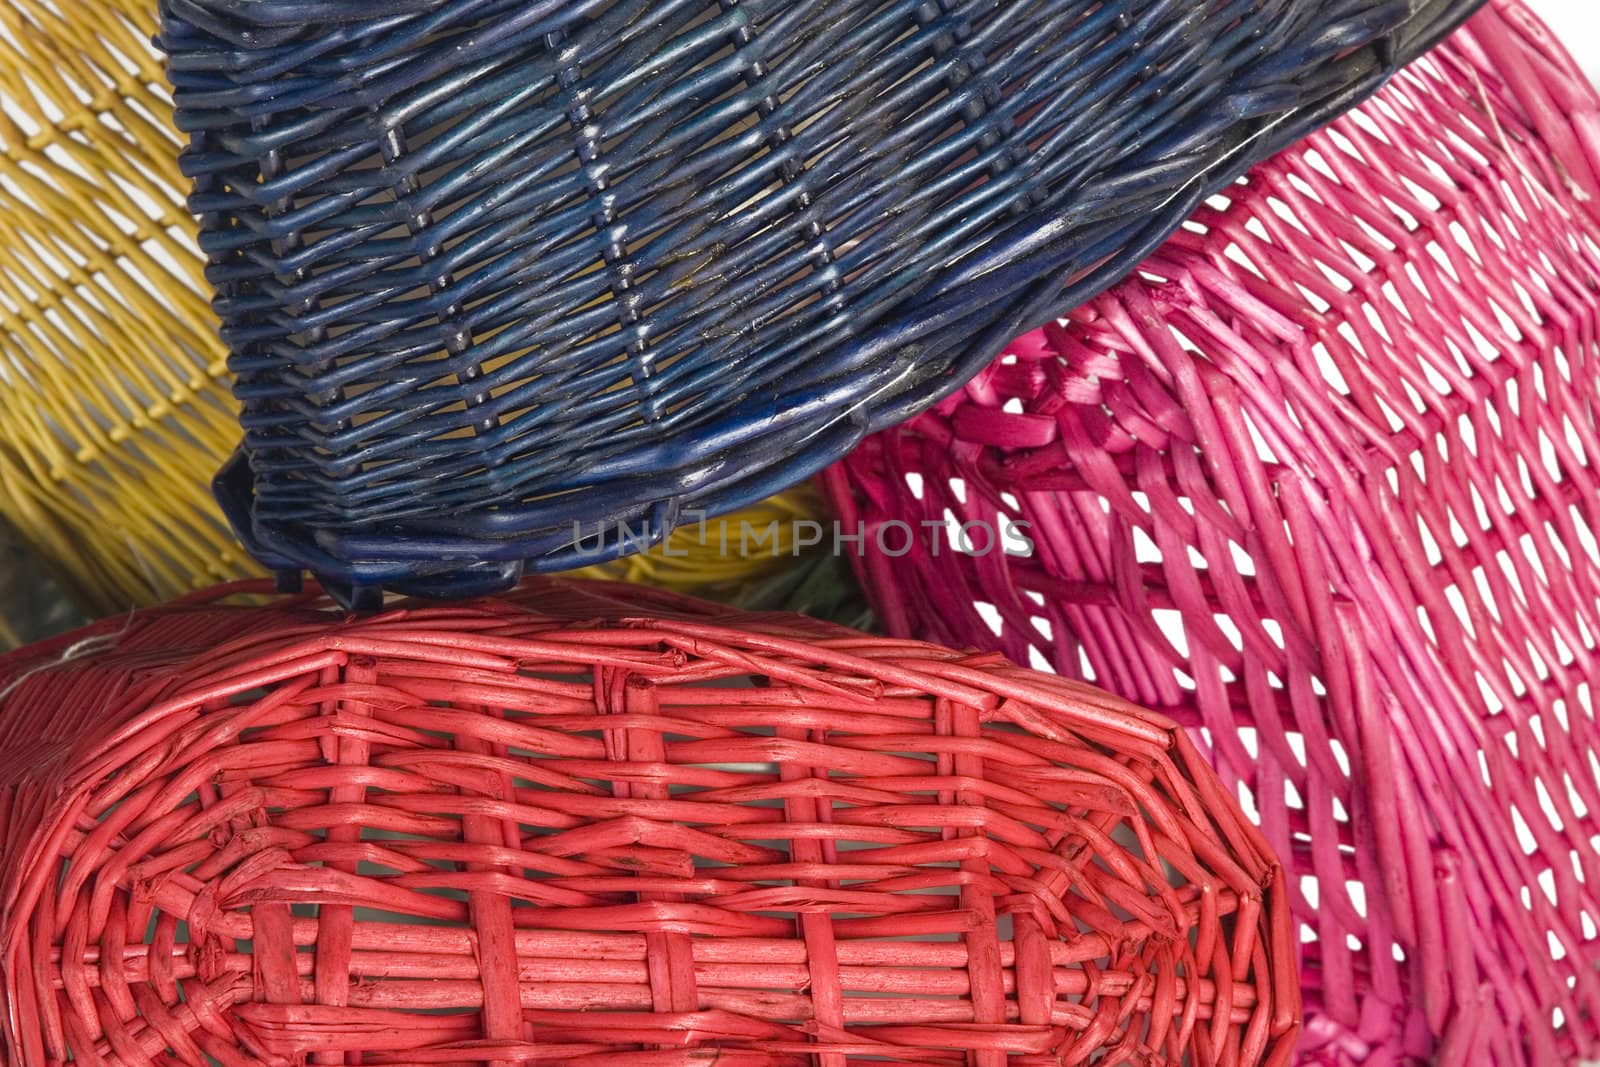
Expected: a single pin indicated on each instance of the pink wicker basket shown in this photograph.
(1320, 481)
(592, 824)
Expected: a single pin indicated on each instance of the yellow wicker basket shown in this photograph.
(721, 559)
(114, 409)
(780, 555)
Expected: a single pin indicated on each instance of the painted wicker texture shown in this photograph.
(114, 407)
(1321, 482)
(598, 823)
(487, 267)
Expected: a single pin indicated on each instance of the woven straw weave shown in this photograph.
(1322, 482)
(489, 266)
(114, 412)
(601, 824)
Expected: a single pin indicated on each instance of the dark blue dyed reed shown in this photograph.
(492, 268)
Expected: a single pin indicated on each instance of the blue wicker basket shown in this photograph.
(503, 278)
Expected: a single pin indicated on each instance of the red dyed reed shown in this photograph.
(592, 823)
(1320, 481)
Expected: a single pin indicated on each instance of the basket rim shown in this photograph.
(763, 442)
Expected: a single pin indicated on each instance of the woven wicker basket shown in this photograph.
(488, 267)
(1322, 483)
(114, 409)
(594, 823)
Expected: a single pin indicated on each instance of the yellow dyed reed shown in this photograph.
(720, 558)
(114, 406)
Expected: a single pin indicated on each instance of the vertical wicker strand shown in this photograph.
(457, 337)
(814, 929)
(336, 922)
(611, 236)
(977, 894)
(792, 171)
(670, 956)
(488, 907)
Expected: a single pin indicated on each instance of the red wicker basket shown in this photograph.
(592, 824)
(1322, 481)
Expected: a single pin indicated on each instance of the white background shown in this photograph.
(1577, 23)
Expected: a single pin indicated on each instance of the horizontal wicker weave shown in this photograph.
(488, 267)
(1322, 483)
(600, 824)
(114, 405)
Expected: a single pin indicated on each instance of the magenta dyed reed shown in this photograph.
(1320, 481)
